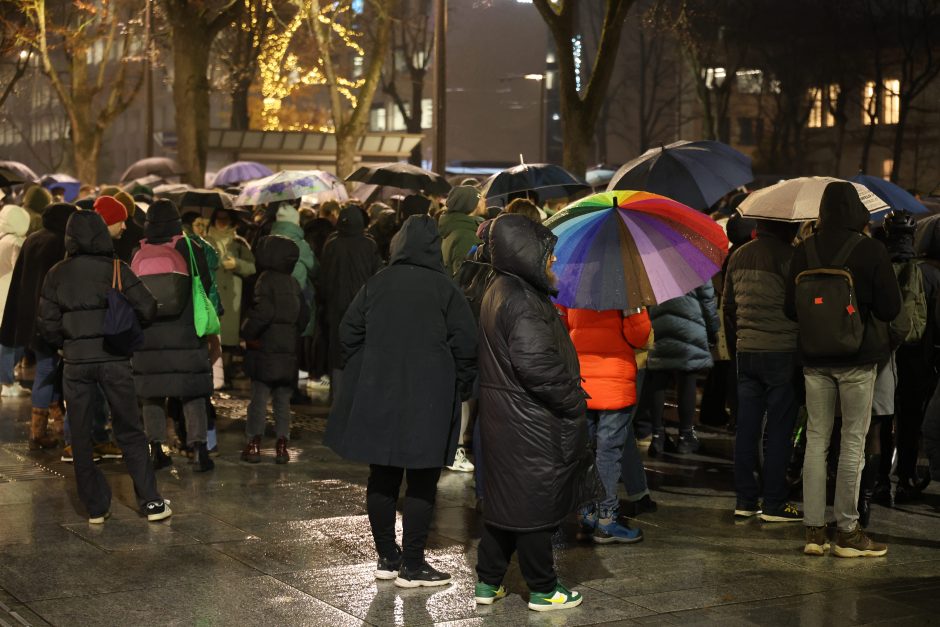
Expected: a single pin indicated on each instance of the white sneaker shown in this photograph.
(461, 463)
(302, 375)
(158, 510)
(14, 389)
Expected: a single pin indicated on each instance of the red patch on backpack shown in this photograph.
(818, 300)
(850, 309)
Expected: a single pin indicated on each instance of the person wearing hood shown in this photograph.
(41, 250)
(125, 245)
(173, 361)
(764, 341)
(236, 263)
(304, 271)
(382, 229)
(271, 331)
(532, 417)
(14, 224)
(850, 378)
(35, 201)
(409, 342)
(458, 228)
(413, 205)
(928, 246)
(350, 257)
(72, 313)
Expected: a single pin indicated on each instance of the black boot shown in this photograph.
(908, 490)
(159, 458)
(203, 463)
(867, 490)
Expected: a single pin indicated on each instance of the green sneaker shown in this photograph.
(485, 594)
(561, 598)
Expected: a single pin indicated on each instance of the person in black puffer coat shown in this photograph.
(532, 415)
(410, 343)
(41, 250)
(72, 313)
(173, 361)
(271, 330)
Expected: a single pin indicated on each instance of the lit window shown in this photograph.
(886, 166)
(749, 81)
(831, 104)
(377, 118)
(815, 119)
(869, 104)
(714, 77)
(357, 66)
(427, 112)
(892, 101)
(398, 120)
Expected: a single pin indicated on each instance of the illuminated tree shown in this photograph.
(98, 44)
(12, 30)
(237, 50)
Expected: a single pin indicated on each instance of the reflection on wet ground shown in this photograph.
(290, 545)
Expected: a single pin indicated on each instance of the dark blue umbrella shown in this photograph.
(695, 173)
(546, 180)
(240, 172)
(70, 184)
(894, 196)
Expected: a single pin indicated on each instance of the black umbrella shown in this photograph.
(20, 171)
(545, 179)
(402, 175)
(159, 166)
(9, 178)
(206, 201)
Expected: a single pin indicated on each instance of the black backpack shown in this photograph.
(826, 305)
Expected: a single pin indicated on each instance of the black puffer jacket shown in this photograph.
(683, 327)
(277, 315)
(842, 215)
(532, 406)
(174, 361)
(74, 297)
(409, 341)
(350, 257)
(41, 250)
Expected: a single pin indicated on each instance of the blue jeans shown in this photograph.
(8, 358)
(632, 472)
(609, 427)
(766, 384)
(47, 365)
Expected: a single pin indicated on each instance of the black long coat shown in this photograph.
(350, 257)
(75, 293)
(174, 361)
(276, 318)
(41, 250)
(410, 343)
(532, 407)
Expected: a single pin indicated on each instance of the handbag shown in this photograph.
(121, 331)
(205, 318)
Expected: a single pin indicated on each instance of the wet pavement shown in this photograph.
(290, 545)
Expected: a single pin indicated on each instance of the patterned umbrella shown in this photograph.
(627, 249)
(285, 185)
(240, 172)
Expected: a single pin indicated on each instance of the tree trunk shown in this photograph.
(898, 151)
(417, 111)
(576, 139)
(86, 147)
(240, 119)
(191, 97)
(345, 153)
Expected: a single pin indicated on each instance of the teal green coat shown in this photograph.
(458, 236)
(305, 268)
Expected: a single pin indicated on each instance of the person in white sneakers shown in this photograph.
(14, 223)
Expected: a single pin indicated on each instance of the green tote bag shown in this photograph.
(205, 319)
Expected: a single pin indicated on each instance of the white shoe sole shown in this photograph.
(553, 607)
(779, 519)
(815, 549)
(746, 513)
(841, 551)
(418, 583)
(166, 513)
(99, 520)
(386, 575)
(487, 600)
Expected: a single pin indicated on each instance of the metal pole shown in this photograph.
(148, 76)
(440, 86)
(542, 118)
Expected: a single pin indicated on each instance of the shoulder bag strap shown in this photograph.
(194, 269)
(116, 276)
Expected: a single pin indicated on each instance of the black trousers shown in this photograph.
(80, 387)
(381, 499)
(535, 557)
(685, 397)
(916, 382)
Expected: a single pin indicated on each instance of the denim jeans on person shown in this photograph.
(608, 428)
(765, 385)
(8, 360)
(853, 387)
(44, 385)
(99, 422)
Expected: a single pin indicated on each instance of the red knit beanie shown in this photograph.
(109, 208)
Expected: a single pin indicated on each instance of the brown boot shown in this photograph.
(281, 456)
(57, 420)
(39, 437)
(252, 452)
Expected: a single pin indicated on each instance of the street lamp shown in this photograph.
(541, 79)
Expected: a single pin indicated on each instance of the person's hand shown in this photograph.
(228, 263)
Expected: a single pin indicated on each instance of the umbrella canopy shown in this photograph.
(797, 200)
(172, 191)
(205, 201)
(402, 175)
(20, 171)
(629, 249)
(337, 190)
(70, 184)
(160, 166)
(545, 179)
(894, 196)
(696, 173)
(285, 185)
(9, 178)
(240, 172)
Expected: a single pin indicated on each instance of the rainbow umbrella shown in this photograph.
(628, 249)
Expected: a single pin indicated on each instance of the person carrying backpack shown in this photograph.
(173, 362)
(842, 292)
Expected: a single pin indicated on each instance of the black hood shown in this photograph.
(740, 229)
(56, 216)
(163, 222)
(521, 247)
(351, 221)
(841, 209)
(277, 253)
(418, 243)
(87, 234)
(784, 231)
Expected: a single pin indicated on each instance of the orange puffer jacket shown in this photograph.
(605, 341)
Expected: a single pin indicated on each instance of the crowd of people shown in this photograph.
(433, 323)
